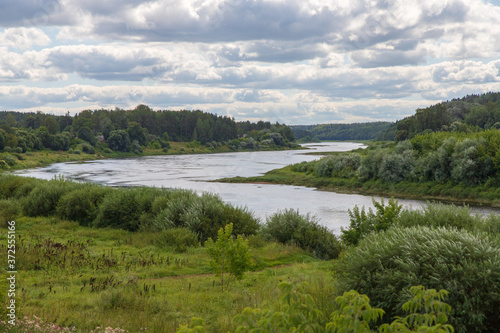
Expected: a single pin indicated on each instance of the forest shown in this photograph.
(133, 130)
(468, 114)
(340, 132)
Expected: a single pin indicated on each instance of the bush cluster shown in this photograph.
(343, 166)
(288, 226)
(133, 209)
(442, 157)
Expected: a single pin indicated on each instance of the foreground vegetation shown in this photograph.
(90, 257)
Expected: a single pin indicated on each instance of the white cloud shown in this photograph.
(23, 38)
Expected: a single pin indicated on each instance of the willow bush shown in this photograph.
(43, 199)
(384, 265)
(289, 226)
(81, 205)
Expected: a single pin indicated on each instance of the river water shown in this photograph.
(193, 171)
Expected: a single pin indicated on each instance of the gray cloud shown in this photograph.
(388, 58)
(292, 60)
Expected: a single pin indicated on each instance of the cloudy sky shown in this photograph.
(293, 61)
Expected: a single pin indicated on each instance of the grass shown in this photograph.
(78, 276)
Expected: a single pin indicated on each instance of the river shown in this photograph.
(194, 171)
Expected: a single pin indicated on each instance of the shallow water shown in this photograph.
(193, 172)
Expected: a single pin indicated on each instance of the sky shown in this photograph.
(292, 61)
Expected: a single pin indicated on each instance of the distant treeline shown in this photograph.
(128, 130)
(467, 114)
(341, 132)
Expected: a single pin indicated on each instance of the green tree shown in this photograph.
(85, 133)
(119, 141)
(52, 125)
(2, 139)
(136, 132)
(228, 255)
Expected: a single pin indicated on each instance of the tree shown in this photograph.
(228, 255)
(2, 139)
(136, 132)
(85, 133)
(52, 125)
(119, 140)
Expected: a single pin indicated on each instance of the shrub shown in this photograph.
(395, 168)
(303, 167)
(9, 209)
(228, 255)
(203, 215)
(343, 165)
(123, 208)
(135, 147)
(20, 156)
(208, 214)
(88, 149)
(363, 223)
(81, 204)
(9, 159)
(298, 312)
(385, 264)
(288, 226)
(324, 167)
(43, 199)
(178, 238)
(169, 208)
(371, 163)
(9, 184)
(468, 164)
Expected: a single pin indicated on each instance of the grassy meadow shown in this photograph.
(87, 278)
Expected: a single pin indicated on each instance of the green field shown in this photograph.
(83, 277)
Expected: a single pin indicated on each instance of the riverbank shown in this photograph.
(479, 195)
(35, 159)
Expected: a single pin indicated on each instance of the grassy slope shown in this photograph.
(54, 283)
